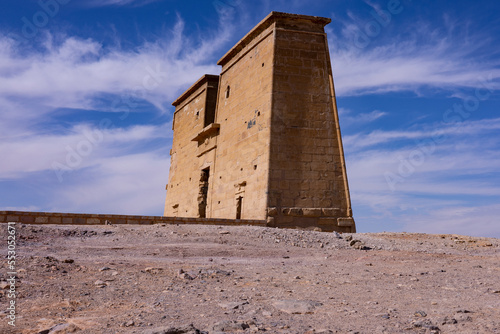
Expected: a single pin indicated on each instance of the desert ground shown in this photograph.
(242, 279)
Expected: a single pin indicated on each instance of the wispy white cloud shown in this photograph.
(362, 117)
(415, 183)
(37, 152)
(128, 184)
(425, 58)
(378, 137)
(107, 174)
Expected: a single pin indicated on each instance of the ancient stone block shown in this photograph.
(330, 212)
(348, 221)
(55, 220)
(41, 220)
(311, 212)
(272, 211)
(93, 221)
(27, 219)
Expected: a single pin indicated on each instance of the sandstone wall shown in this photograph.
(93, 219)
(187, 158)
(308, 185)
(244, 113)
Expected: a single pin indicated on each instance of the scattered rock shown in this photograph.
(182, 274)
(232, 305)
(296, 306)
(358, 244)
(105, 268)
(100, 284)
(421, 314)
(153, 270)
(224, 232)
(69, 261)
(337, 235)
(230, 326)
(61, 329)
(189, 329)
(448, 321)
(129, 323)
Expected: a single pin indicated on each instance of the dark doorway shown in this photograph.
(239, 203)
(203, 193)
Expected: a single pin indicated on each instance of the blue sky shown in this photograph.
(86, 90)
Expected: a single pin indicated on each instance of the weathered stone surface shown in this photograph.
(345, 221)
(296, 306)
(312, 212)
(230, 326)
(188, 329)
(272, 211)
(64, 329)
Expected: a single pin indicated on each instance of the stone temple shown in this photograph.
(262, 140)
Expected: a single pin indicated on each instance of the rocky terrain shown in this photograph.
(222, 279)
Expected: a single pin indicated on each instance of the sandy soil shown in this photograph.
(213, 279)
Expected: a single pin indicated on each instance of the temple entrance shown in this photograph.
(203, 193)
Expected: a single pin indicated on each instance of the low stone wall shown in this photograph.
(101, 219)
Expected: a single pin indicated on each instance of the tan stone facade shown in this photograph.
(262, 140)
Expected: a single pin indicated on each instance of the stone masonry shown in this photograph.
(261, 141)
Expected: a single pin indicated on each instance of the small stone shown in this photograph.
(189, 329)
(448, 321)
(153, 270)
(101, 284)
(337, 235)
(105, 268)
(232, 305)
(383, 315)
(69, 261)
(230, 326)
(129, 323)
(63, 329)
(224, 232)
(420, 314)
(184, 275)
(4, 285)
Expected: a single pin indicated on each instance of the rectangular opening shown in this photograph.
(210, 104)
(239, 204)
(203, 193)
